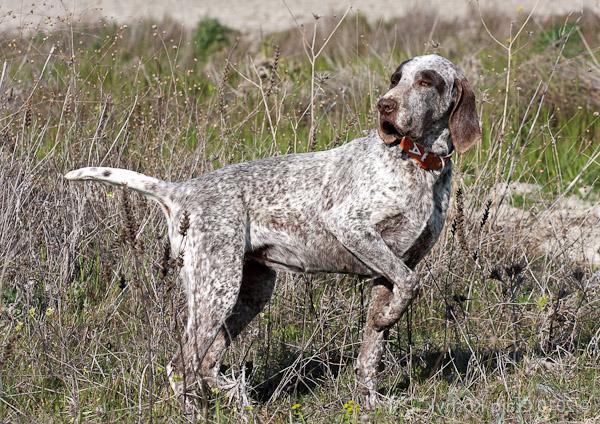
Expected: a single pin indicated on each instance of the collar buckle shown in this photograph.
(423, 156)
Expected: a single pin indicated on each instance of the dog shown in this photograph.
(373, 207)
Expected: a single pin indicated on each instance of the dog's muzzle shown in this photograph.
(388, 131)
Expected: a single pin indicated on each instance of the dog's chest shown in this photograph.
(412, 232)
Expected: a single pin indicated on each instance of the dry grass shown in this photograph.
(91, 311)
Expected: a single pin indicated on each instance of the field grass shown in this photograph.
(504, 331)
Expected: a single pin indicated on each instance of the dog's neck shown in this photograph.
(430, 152)
(438, 142)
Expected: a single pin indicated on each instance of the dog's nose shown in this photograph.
(387, 106)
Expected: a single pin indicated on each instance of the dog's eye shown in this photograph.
(424, 83)
(395, 80)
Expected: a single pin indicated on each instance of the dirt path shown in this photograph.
(571, 229)
(254, 16)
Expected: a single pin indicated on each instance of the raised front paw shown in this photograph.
(399, 301)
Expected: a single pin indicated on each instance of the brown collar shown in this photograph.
(419, 153)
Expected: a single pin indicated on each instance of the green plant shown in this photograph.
(209, 37)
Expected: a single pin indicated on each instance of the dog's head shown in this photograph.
(428, 94)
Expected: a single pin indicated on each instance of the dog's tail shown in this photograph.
(152, 188)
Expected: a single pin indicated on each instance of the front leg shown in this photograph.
(390, 297)
(373, 343)
(366, 243)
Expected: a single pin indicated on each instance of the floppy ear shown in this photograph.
(464, 123)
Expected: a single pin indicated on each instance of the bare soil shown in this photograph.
(259, 16)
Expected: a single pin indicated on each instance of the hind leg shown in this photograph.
(258, 282)
(212, 277)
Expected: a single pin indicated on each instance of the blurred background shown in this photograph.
(256, 16)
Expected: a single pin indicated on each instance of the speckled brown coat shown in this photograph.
(364, 208)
